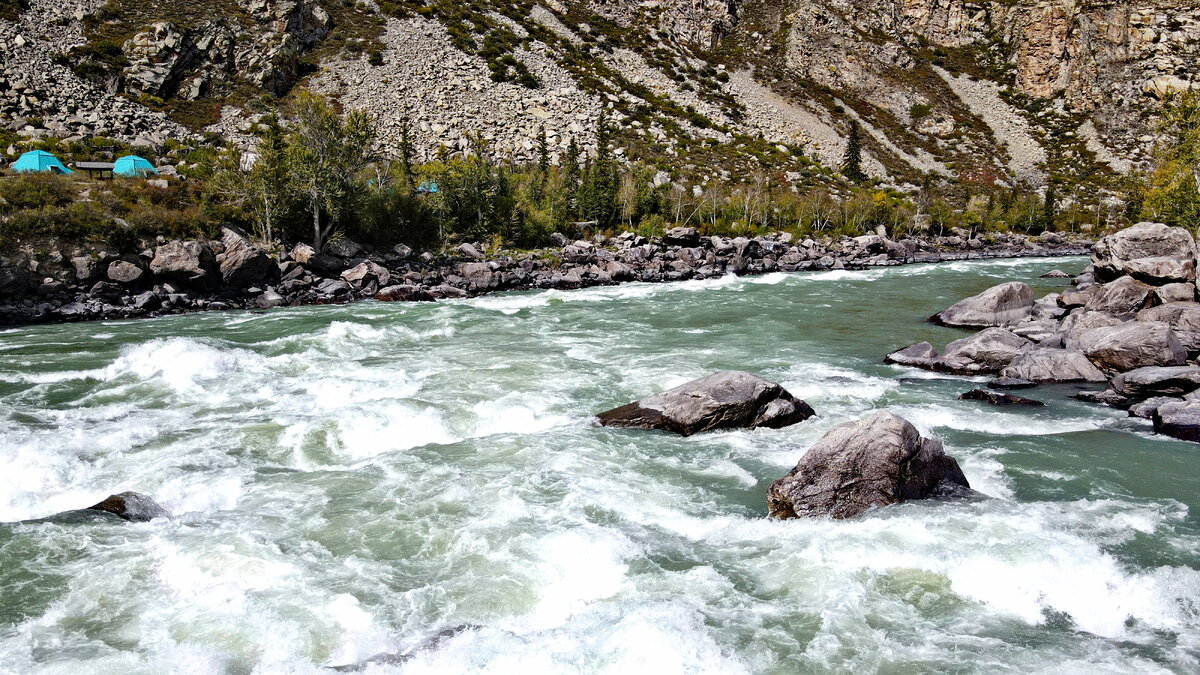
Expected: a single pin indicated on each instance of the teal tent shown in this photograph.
(132, 165)
(39, 161)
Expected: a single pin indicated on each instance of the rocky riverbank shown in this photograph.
(58, 283)
(1132, 321)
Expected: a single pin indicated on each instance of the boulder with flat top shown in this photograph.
(724, 400)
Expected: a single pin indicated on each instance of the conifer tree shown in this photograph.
(852, 159)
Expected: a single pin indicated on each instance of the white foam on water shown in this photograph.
(928, 417)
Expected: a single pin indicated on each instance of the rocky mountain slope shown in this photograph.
(1008, 91)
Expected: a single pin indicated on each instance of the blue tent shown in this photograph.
(132, 165)
(39, 161)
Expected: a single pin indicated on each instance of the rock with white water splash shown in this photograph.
(1053, 365)
(132, 506)
(1179, 419)
(1001, 305)
(1150, 252)
(724, 400)
(857, 466)
(997, 398)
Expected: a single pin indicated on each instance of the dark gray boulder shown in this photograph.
(1151, 381)
(1150, 252)
(724, 400)
(132, 506)
(1132, 345)
(241, 262)
(1055, 274)
(861, 465)
(682, 236)
(1000, 305)
(1011, 383)
(1053, 365)
(996, 398)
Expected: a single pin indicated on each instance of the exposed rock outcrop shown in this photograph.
(1002, 305)
(857, 466)
(723, 400)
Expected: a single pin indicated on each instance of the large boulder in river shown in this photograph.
(187, 263)
(1151, 381)
(857, 466)
(1053, 365)
(133, 506)
(1149, 252)
(724, 400)
(1001, 305)
(987, 351)
(1132, 345)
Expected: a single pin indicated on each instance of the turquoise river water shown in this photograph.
(419, 488)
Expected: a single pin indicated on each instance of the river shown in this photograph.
(423, 482)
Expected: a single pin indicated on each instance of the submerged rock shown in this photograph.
(1001, 305)
(1055, 274)
(724, 400)
(857, 466)
(995, 398)
(131, 506)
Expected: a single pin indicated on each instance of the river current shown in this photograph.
(419, 488)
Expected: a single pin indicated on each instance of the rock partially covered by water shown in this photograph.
(1001, 305)
(1179, 419)
(857, 466)
(1152, 381)
(997, 398)
(1149, 252)
(132, 506)
(725, 400)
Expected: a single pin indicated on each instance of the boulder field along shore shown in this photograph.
(1131, 320)
(60, 282)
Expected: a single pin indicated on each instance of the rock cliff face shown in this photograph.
(1007, 90)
